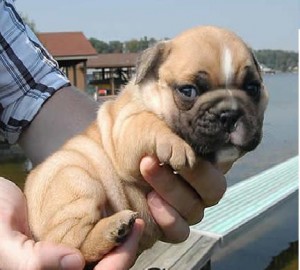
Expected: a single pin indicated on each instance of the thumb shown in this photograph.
(51, 256)
(22, 253)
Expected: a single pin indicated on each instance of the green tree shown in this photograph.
(135, 45)
(115, 46)
(104, 47)
(144, 43)
(132, 45)
(99, 45)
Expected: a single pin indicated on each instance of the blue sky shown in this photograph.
(263, 24)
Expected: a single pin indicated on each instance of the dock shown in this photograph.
(242, 203)
(194, 253)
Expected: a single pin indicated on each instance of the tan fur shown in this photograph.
(80, 195)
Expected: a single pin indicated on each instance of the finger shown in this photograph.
(13, 212)
(207, 181)
(173, 189)
(124, 256)
(175, 228)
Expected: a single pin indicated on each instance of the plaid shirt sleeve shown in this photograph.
(28, 74)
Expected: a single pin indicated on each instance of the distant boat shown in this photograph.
(266, 69)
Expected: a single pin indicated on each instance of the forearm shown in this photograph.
(66, 113)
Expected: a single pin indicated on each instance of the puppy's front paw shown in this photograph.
(123, 226)
(173, 150)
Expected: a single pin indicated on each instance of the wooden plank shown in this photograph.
(194, 253)
(199, 255)
(150, 256)
(175, 252)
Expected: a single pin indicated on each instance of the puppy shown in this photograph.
(198, 96)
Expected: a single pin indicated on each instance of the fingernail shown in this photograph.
(140, 223)
(155, 200)
(71, 262)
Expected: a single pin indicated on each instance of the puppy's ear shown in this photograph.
(256, 63)
(149, 61)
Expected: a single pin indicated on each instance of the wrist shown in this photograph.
(65, 114)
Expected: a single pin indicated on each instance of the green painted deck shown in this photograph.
(250, 198)
(242, 203)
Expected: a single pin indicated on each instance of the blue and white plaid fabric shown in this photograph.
(28, 74)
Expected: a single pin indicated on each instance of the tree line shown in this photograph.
(278, 60)
(115, 46)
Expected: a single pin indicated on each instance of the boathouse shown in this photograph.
(108, 72)
(71, 50)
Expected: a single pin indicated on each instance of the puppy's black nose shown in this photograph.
(229, 118)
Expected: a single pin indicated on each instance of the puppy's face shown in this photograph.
(207, 86)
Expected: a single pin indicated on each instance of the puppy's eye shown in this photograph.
(188, 91)
(253, 89)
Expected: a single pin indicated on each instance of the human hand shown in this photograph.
(177, 203)
(19, 251)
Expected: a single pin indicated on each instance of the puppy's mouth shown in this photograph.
(235, 147)
(228, 151)
(222, 137)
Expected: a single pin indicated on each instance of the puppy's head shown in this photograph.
(206, 84)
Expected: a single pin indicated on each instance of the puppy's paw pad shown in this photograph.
(123, 226)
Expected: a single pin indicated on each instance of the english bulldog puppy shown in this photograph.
(199, 96)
